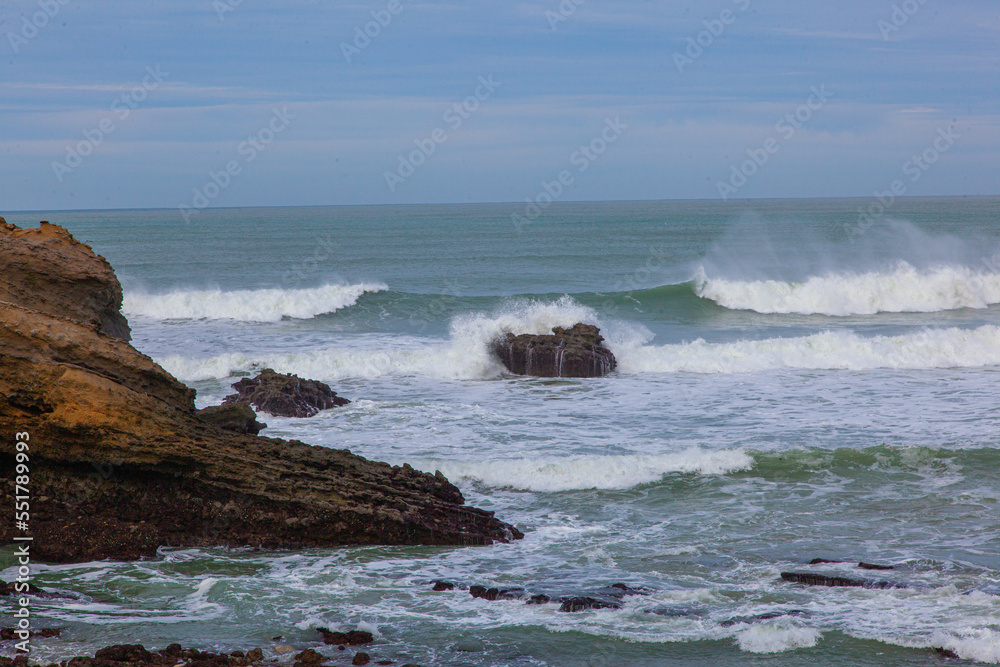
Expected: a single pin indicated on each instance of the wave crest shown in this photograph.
(576, 473)
(829, 350)
(904, 289)
(263, 305)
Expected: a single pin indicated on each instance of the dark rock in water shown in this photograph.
(121, 464)
(810, 579)
(539, 599)
(496, 593)
(574, 352)
(584, 603)
(946, 652)
(443, 586)
(820, 561)
(361, 659)
(874, 566)
(766, 616)
(677, 612)
(235, 417)
(19, 588)
(621, 590)
(483, 592)
(10, 634)
(310, 657)
(124, 653)
(135, 655)
(352, 638)
(285, 395)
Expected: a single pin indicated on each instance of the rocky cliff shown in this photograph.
(121, 463)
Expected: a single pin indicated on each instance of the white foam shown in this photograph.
(776, 637)
(263, 305)
(902, 289)
(829, 350)
(979, 644)
(570, 473)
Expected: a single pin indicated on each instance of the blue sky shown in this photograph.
(929, 67)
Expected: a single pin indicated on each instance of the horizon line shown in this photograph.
(499, 203)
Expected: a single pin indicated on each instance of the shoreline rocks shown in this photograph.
(284, 395)
(575, 352)
(122, 464)
(235, 417)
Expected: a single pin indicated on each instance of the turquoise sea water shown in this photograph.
(792, 385)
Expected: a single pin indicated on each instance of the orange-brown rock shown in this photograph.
(47, 270)
(121, 463)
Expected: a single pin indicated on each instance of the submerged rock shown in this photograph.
(235, 417)
(584, 603)
(874, 566)
(352, 638)
(496, 593)
(11, 634)
(285, 395)
(574, 352)
(811, 579)
(121, 463)
(766, 616)
(17, 588)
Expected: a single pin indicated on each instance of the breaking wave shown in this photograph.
(572, 473)
(263, 305)
(829, 350)
(903, 289)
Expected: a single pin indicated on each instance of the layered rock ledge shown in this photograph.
(121, 463)
(574, 352)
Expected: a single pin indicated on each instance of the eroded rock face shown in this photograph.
(47, 270)
(574, 352)
(122, 464)
(285, 395)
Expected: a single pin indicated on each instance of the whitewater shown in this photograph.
(261, 305)
(900, 289)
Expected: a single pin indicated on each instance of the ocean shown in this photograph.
(797, 379)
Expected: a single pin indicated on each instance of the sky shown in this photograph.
(193, 103)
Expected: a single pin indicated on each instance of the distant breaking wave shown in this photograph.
(829, 350)
(903, 289)
(263, 305)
